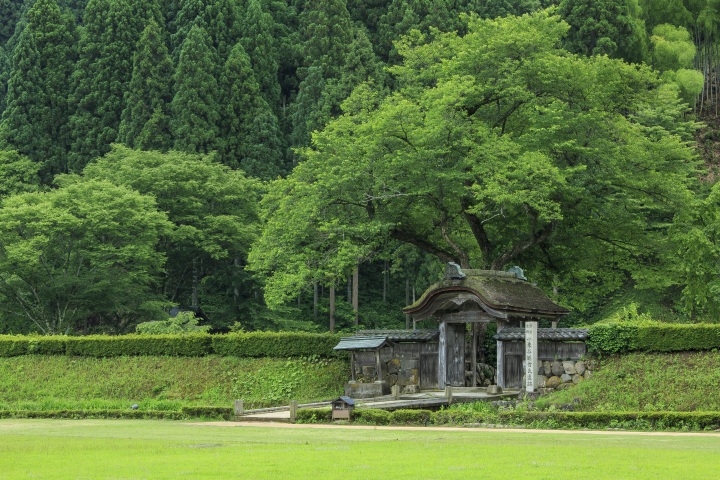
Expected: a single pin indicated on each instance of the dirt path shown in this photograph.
(454, 429)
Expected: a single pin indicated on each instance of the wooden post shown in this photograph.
(442, 355)
(239, 408)
(378, 365)
(500, 364)
(293, 410)
(352, 366)
(473, 362)
(448, 393)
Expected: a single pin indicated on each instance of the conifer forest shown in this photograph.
(313, 164)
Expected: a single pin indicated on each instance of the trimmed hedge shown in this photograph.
(614, 338)
(195, 345)
(253, 344)
(628, 420)
(271, 344)
(593, 420)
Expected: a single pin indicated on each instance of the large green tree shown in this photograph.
(249, 132)
(83, 250)
(499, 148)
(102, 75)
(605, 27)
(35, 121)
(213, 212)
(195, 108)
(145, 119)
(257, 40)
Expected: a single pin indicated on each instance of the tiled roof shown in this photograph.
(556, 334)
(373, 339)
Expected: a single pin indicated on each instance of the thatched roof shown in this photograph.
(499, 293)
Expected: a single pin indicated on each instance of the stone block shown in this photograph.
(580, 367)
(410, 389)
(553, 382)
(541, 379)
(557, 368)
(566, 378)
(569, 368)
(408, 377)
(393, 365)
(547, 368)
(588, 374)
(577, 378)
(366, 389)
(494, 389)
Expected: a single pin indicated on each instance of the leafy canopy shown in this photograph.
(497, 148)
(81, 250)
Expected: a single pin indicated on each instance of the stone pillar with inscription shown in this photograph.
(531, 356)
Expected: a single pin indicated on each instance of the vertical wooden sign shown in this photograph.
(531, 356)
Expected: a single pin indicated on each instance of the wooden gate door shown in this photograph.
(455, 334)
(428, 370)
(513, 364)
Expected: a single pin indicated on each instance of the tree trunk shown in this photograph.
(332, 308)
(315, 301)
(355, 294)
(407, 302)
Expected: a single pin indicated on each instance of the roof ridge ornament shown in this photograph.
(518, 272)
(454, 272)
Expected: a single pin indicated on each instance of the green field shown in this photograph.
(100, 449)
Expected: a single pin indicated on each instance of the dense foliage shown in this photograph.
(240, 344)
(386, 136)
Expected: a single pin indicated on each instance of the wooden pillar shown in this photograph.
(293, 410)
(378, 365)
(500, 365)
(352, 366)
(442, 356)
(473, 362)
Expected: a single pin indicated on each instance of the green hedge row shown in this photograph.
(253, 344)
(371, 416)
(594, 420)
(218, 413)
(655, 337)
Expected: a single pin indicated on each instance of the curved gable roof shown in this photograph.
(501, 292)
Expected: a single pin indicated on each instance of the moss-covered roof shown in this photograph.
(500, 291)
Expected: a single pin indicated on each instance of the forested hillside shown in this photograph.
(310, 164)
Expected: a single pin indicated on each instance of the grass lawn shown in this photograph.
(116, 449)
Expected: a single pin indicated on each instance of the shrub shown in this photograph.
(15, 345)
(612, 338)
(314, 415)
(678, 337)
(410, 417)
(223, 413)
(625, 420)
(652, 337)
(195, 345)
(274, 344)
(372, 416)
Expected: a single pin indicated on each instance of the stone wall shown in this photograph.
(558, 374)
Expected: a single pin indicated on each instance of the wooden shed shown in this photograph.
(406, 358)
(466, 299)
